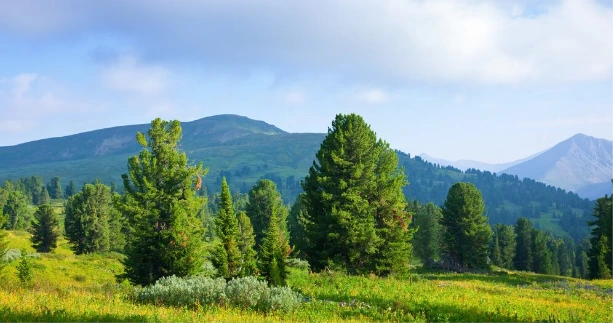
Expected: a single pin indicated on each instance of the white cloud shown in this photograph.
(295, 98)
(128, 75)
(372, 95)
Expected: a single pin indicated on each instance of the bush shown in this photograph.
(247, 293)
(297, 263)
(12, 255)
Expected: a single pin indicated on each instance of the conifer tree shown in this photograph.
(467, 232)
(3, 241)
(541, 255)
(428, 237)
(45, 229)
(44, 197)
(273, 252)
(227, 256)
(71, 189)
(92, 223)
(296, 225)
(355, 213)
(602, 271)
(496, 257)
(246, 242)
(600, 253)
(55, 188)
(264, 201)
(16, 211)
(507, 243)
(523, 254)
(161, 208)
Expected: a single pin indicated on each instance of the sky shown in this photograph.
(493, 81)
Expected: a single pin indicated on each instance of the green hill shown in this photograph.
(245, 150)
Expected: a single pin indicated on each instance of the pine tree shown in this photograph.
(600, 254)
(507, 243)
(496, 256)
(55, 188)
(427, 239)
(273, 252)
(71, 189)
(296, 225)
(355, 213)
(16, 211)
(541, 256)
(602, 269)
(582, 259)
(228, 261)
(246, 242)
(3, 241)
(264, 201)
(92, 223)
(45, 229)
(44, 197)
(523, 254)
(161, 206)
(467, 233)
(24, 268)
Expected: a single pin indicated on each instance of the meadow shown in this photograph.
(74, 288)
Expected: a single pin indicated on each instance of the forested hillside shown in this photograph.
(245, 150)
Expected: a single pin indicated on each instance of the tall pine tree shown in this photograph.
(428, 237)
(227, 256)
(273, 252)
(355, 213)
(45, 229)
(523, 247)
(600, 253)
(264, 202)
(161, 206)
(467, 232)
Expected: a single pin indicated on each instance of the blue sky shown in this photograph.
(493, 81)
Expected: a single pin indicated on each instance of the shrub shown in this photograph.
(247, 293)
(24, 268)
(11, 255)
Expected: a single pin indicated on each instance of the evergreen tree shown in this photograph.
(3, 241)
(496, 256)
(16, 211)
(601, 227)
(55, 188)
(582, 259)
(428, 237)
(71, 189)
(273, 252)
(161, 208)
(523, 254)
(25, 271)
(264, 201)
(355, 212)
(44, 197)
(246, 242)
(467, 233)
(541, 255)
(45, 229)
(227, 261)
(507, 244)
(296, 224)
(92, 223)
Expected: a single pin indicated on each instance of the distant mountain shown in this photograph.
(245, 150)
(464, 164)
(581, 164)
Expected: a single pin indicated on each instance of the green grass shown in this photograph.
(83, 288)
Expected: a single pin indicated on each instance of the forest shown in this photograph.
(365, 217)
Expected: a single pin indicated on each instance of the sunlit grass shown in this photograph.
(83, 288)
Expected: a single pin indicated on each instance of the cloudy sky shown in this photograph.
(492, 81)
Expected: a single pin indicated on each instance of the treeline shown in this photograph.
(507, 197)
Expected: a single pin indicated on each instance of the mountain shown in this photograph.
(464, 164)
(582, 164)
(245, 150)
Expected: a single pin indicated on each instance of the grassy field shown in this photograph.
(83, 288)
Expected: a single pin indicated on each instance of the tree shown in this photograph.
(16, 211)
(227, 256)
(45, 229)
(582, 259)
(523, 253)
(24, 268)
(507, 243)
(600, 253)
(354, 209)
(92, 223)
(495, 256)
(44, 197)
(71, 189)
(264, 201)
(427, 238)
(3, 241)
(467, 232)
(273, 252)
(246, 242)
(55, 188)
(161, 207)
(296, 225)
(541, 259)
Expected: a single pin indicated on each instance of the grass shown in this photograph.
(83, 288)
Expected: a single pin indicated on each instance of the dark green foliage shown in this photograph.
(600, 254)
(45, 229)
(495, 256)
(273, 253)
(505, 236)
(296, 224)
(582, 259)
(25, 272)
(16, 211)
(428, 237)
(467, 233)
(55, 188)
(264, 201)
(246, 242)
(71, 189)
(3, 241)
(523, 250)
(228, 261)
(355, 213)
(541, 255)
(92, 223)
(161, 207)
(44, 197)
